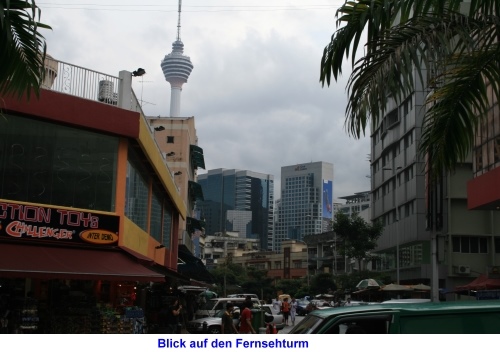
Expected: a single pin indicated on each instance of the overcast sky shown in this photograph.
(254, 90)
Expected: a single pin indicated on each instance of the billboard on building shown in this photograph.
(327, 199)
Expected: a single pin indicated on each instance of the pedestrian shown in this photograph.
(246, 320)
(285, 310)
(277, 304)
(227, 320)
(174, 310)
(293, 310)
(348, 303)
(248, 300)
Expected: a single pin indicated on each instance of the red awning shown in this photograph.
(480, 283)
(71, 263)
(141, 258)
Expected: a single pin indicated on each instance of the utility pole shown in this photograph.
(227, 261)
(396, 172)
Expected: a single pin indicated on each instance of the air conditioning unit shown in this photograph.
(463, 269)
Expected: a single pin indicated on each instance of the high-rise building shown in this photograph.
(306, 204)
(430, 236)
(176, 68)
(357, 203)
(238, 201)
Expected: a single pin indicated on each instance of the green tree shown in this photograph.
(322, 283)
(22, 47)
(229, 276)
(257, 282)
(238, 279)
(355, 237)
(288, 286)
(449, 45)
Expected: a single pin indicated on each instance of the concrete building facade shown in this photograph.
(428, 225)
(177, 140)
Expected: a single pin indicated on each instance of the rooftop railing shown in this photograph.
(88, 84)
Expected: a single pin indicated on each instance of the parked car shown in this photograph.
(458, 317)
(277, 317)
(353, 303)
(320, 303)
(214, 324)
(214, 305)
(302, 307)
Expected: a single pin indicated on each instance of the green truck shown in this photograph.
(469, 317)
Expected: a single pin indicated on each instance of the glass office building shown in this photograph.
(238, 201)
(306, 204)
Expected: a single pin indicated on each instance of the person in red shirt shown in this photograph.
(285, 310)
(246, 320)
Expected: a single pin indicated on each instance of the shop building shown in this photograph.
(89, 210)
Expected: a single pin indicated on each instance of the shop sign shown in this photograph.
(52, 224)
(98, 236)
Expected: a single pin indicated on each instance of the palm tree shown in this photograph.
(451, 46)
(22, 47)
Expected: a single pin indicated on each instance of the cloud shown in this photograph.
(254, 90)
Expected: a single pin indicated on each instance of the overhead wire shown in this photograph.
(186, 8)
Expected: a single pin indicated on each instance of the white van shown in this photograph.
(210, 307)
(243, 295)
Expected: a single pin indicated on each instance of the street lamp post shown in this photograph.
(334, 260)
(307, 261)
(396, 205)
(335, 253)
(307, 265)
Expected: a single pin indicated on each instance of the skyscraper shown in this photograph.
(306, 204)
(176, 68)
(238, 201)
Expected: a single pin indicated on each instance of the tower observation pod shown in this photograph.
(176, 68)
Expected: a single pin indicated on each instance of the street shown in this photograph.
(286, 329)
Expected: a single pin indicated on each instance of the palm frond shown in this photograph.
(458, 106)
(352, 19)
(419, 45)
(22, 47)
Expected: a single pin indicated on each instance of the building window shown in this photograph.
(470, 244)
(155, 216)
(47, 163)
(277, 265)
(137, 193)
(170, 139)
(497, 245)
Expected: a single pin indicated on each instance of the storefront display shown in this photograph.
(69, 307)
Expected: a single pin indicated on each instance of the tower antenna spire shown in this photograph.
(179, 22)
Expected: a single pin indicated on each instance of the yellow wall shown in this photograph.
(158, 163)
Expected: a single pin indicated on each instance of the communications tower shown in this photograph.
(176, 67)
